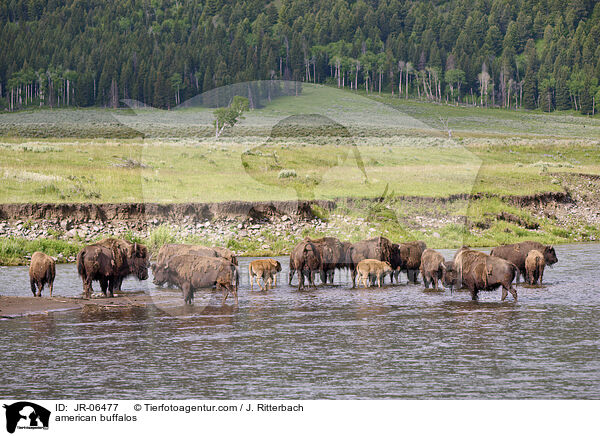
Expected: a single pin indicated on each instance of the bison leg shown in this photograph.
(323, 274)
(425, 281)
(103, 286)
(188, 295)
(474, 295)
(541, 276)
(513, 292)
(397, 276)
(300, 279)
(291, 276)
(225, 292)
(504, 293)
(33, 286)
(87, 286)
(353, 275)
(118, 283)
(311, 276)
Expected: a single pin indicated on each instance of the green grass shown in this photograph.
(13, 251)
(208, 171)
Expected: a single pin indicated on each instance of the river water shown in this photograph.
(332, 342)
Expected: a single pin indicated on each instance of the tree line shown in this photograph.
(495, 53)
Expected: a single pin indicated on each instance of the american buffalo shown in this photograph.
(332, 255)
(191, 272)
(479, 271)
(410, 258)
(42, 270)
(96, 263)
(306, 260)
(431, 267)
(169, 250)
(129, 257)
(379, 248)
(266, 269)
(517, 253)
(372, 268)
(534, 266)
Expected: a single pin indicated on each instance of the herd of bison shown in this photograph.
(193, 267)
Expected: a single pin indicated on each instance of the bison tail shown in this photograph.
(80, 265)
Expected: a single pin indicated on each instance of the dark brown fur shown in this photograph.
(379, 248)
(479, 271)
(517, 253)
(332, 255)
(306, 260)
(130, 258)
(96, 263)
(42, 270)
(410, 258)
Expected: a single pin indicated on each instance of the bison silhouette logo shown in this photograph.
(26, 415)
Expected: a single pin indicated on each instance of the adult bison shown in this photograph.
(379, 248)
(169, 250)
(478, 271)
(534, 265)
(410, 258)
(431, 267)
(190, 272)
(305, 259)
(332, 255)
(517, 253)
(96, 263)
(42, 270)
(131, 258)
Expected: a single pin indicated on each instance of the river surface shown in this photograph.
(332, 342)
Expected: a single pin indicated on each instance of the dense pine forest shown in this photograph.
(533, 54)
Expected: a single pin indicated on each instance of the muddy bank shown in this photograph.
(14, 307)
(83, 212)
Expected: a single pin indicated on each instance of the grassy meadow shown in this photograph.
(383, 145)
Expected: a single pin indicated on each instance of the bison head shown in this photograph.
(160, 274)
(450, 276)
(550, 255)
(139, 261)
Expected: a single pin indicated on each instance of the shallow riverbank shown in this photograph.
(15, 307)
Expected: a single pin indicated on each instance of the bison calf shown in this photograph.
(42, 270)
(534, 266)
(265, 268)
(372, 268)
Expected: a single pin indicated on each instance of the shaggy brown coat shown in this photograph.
(431, 267)
(42, 270)
(191, 272)
(534, 266)
(517, 253)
